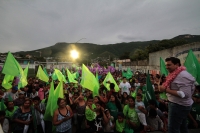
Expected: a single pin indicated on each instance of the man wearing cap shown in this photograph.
(20, 100)
(13, 94)
(179, 87)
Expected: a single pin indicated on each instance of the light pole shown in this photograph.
(79, 40)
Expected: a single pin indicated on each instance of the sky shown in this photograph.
(33, 24)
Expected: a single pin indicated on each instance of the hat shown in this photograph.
(15, 88)
(21, 92)
(196, 95)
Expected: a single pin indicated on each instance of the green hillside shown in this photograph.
(88, 49)
(134, 50)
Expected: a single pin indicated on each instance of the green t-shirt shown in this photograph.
(195, 112)
(93, 106)
(133, 94)
(113, 109)
(163, 96)
(120, 126)
(131, 114)
(4, 106)
(10, 114)
(89, 114)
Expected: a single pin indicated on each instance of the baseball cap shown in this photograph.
(15, 88)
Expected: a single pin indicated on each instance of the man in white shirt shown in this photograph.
(125, 86)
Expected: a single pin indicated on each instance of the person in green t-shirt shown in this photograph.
(90, 115)
(194, 121)
(114, 106)
(133, 91)
(120, 123)
(131, 114)
(10, 109)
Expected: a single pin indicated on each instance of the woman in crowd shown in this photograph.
(80, 110)
(131, 115)
(62, 117)
(22, 116)
(124, 99)
(114, 106)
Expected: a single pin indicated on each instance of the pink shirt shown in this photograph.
(41, 93)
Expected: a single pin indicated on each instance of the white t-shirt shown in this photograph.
(137, 84)
(125, 87)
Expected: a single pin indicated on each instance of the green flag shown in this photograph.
(59, 90)
(76, 75)
(64, 72)
(54, 76)
(7, 81)
(97, 76)
(41, 75)
(11, 66)
(45, 71)
(96, 89)
(23, 77)
(123, 73)
(60, 76)
(88, 79)
(26, 70)
(109, 79)
(71, 77)
(163, 69)
(2, 105)
(149, 94)
(129, 73)
(192, 66)
(50, 104)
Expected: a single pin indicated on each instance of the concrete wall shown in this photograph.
(179, 52)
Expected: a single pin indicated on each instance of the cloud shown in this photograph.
(28, 25)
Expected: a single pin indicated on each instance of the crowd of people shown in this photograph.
(22, 109)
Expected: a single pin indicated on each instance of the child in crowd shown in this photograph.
(120, 123)
(153, 105)
(133, 91)
(90, 116)
(95, 100)
(154, 121)
(100, 119)
(140, 109)
(109, 127)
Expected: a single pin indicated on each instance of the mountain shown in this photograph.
(87, 49)
(189, 38)
(91, 51)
